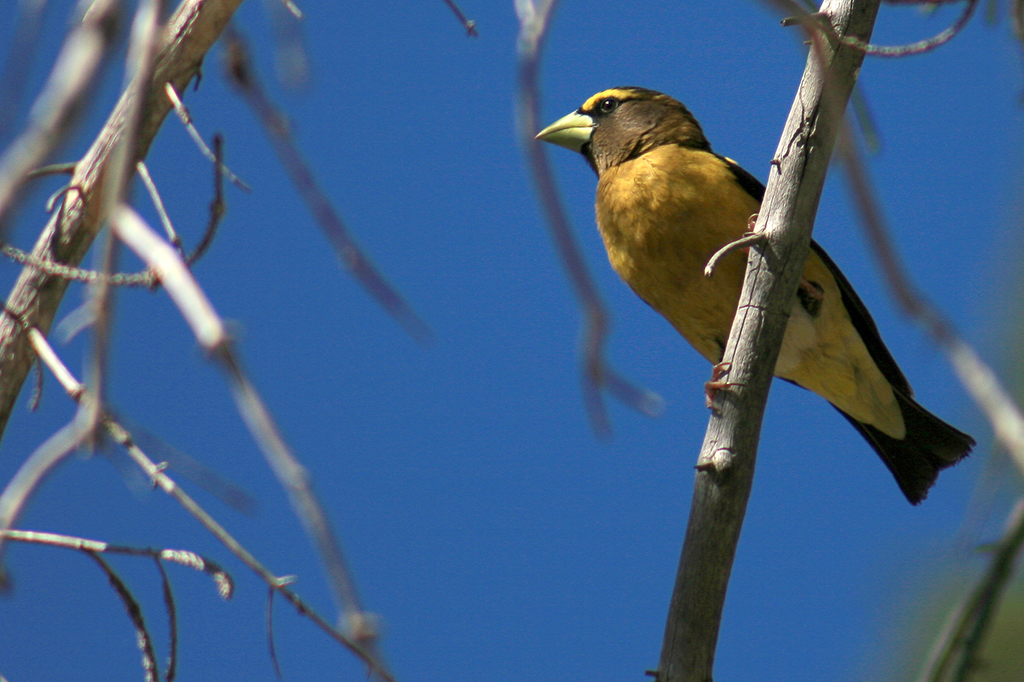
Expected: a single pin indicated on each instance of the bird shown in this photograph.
(666, 202)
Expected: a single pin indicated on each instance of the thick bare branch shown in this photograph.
(725, 468)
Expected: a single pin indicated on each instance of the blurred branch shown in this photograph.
(920, 46)
(597, 375)
(291, 63)
(142, 44)
(36, 295)
(954, 656)
(292, 8)
(157, 473)
(211, 334)
(61, 99)
(955, 653)
(18, 64)
(242, 75)
(37, 467)
(977, 378)
(725, 468)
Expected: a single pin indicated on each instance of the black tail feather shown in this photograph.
(930, 445)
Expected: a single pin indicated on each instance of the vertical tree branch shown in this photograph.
(725, 468)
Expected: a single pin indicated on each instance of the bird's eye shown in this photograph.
(608, 105)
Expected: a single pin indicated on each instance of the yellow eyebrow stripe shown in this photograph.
(617, 93)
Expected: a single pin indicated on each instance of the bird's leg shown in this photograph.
(711, 388)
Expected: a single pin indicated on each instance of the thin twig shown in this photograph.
(145, 642)
(291, 63)
(37, 389)
(158, 204)
(144, 278)
(66, 168)
(172, 622)
(191, 469)
(814, 21)
(466, 22)
(176, 556)
(186, 120)
(596, 374)
(221, 578)
(216, 206)
(35, 468)
(292, 8)
(271, 649)
(94, 548)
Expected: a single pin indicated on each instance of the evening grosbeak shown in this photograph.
(666, 203)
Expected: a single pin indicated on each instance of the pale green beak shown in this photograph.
(572, 131)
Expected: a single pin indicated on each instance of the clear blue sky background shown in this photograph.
(496, 538)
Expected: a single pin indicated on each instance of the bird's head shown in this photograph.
(622, 123)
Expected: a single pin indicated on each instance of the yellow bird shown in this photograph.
(666, 203)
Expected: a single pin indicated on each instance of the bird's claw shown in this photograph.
(711, 388)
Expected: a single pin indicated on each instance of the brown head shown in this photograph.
(622, 123)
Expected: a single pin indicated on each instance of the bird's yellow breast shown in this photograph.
(662, 216)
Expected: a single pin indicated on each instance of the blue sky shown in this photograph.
(492, 533)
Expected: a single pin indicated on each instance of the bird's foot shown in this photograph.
(711, 388)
